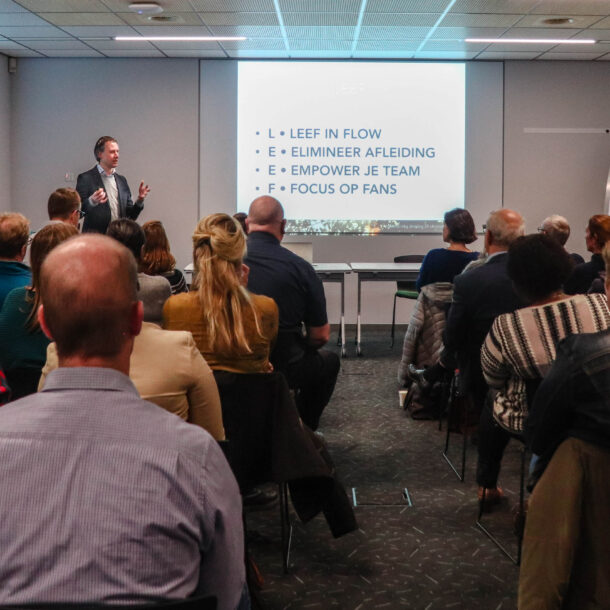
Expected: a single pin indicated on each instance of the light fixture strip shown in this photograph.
(531, 40)
(180, 38)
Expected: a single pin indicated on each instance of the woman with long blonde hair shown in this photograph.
(233, 329)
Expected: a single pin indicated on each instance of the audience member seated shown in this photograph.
(14, 236)
(156, 258)
(566, 558)
(573, 398)
(596, 236)
(293, 284)
(443, 264)
(557, 227)
(521, 346)
(64, 206)
(167, 369)
(232, 328)
(23, 345)
(127, 503)
(130, 234)
(241, 219)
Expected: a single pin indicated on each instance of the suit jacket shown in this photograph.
(479, 295)
(97, 217)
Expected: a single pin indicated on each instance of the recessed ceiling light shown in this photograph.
(532, 40)
(145, 8)
(181, 38)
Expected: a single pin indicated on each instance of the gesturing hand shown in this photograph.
(99, 196)
(143, 190)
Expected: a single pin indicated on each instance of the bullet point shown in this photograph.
(282, 188)
(258, 170)
(281, 133)
(257, 152)
(283, 170)
(257, 188)
(284, 151)
(258, 133)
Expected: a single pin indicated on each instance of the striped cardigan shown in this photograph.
(521, 346)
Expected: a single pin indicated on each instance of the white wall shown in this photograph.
(563, 173)
(5, 135)
(176, 130)
(61, 106)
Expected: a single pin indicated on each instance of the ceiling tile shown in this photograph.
(170, 6)
(239, 18)
(267, 44)
(64, 6)
(514, 55)
(172, 19)
(444, 55)
(602, 24)
(192, 53)
(463, 20)
(20, 19)
(36, 31)
(539, 33)
(383, 54)
(23, 52)
(247, 31)
(571, 7)
(604, 58)
(133, 53)
(454, 45)
(68, 44)
(595, 34)
(99, 31)
(406, 6)
(8, 6)
(462, 33)
(84, 19)
(7, 45)
(172, 30)
(241, 53)
(388, 33)
(536, 21)
(253, 6)
(320, 19)
(494, 6)
(319, 6)
(320, 45)
(120, 45)
(400, 19)
(176, 45)
(320, 54)
(570, 56)
(389, 46)
(72, 53)
(316, 33)
(528, 48)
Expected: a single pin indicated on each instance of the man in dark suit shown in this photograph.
(105, 195)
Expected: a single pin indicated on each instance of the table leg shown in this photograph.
(342, 331)
(358, 347)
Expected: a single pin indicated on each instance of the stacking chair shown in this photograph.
(405, 289)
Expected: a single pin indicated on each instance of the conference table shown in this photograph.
(335, 272)
(380, 272)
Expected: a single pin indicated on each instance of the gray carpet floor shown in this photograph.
(417, 545)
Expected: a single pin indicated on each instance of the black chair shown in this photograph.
(23, 381)
(405, 289)
(193, 603)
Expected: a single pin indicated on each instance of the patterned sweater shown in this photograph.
(521, 346)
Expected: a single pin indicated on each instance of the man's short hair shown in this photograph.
(88, 287)
(62, 203)
(599, 229)
(14, 234)
(557, 228)
(100, 144)
(129, 233)
(504, 233)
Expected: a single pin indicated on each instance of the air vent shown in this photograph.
(558, 21)
(164, 18)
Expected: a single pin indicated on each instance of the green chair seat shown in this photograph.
(407, 294)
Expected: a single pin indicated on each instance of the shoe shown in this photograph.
(493, 496)
(257, 498)
(417, 376)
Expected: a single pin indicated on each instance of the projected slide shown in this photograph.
(353, 147)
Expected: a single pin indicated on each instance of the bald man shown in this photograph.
(124, 501)
(293, 284)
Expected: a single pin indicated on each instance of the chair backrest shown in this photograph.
(407, 258)
(208, 602)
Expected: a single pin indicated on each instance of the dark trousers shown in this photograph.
(491, 445)
(313, 378)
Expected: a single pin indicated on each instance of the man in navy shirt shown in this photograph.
(293, 284)
(14, 236)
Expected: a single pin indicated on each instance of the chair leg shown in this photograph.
(285, 525)
(393, 322)
(516, 559)
(466, 422)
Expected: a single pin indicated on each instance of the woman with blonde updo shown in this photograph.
(233, 329)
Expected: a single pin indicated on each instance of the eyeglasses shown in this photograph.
(81, 213)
